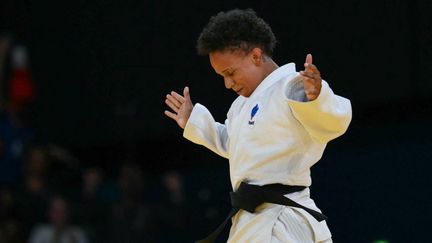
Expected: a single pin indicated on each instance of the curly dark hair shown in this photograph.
(236, 30)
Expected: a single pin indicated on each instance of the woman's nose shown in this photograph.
(228, 83)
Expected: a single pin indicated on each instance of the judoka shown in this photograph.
(275, 130)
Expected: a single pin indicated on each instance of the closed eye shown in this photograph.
(231, 73)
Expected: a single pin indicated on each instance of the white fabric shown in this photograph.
(46, 234)
(278, 144)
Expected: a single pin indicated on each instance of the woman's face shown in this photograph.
(240, 70)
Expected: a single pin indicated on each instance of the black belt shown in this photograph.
(249, 197)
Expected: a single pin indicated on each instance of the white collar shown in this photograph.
(273, 77)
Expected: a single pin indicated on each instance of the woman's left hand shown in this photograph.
(311, 79)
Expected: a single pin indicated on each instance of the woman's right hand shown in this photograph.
(181, 107)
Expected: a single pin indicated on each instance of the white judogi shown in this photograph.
(274, 136)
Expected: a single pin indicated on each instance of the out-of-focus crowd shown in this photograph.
(56, 201)
(47, 195)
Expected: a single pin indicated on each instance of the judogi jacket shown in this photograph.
(273, 136)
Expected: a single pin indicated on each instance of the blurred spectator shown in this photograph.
(21, 86)
(132, 219)
(33, 193)
(64, 172)
(59, 229)
(172, 210)
(15, 137)
(92, 208)
(10, 231)
(10, 227)
(7, 203)
(92, 179)
(4, 48)
(173, 183)
(37, 163)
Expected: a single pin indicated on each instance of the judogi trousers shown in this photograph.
(272, 223)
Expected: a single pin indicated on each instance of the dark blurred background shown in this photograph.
(84, 143)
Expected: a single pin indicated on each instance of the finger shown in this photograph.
(308, 59)
(171, 115)
(311, 97)
(311, 88)
(173, 99)
(311, 91)
(311, 84)
(171, 105)
(311, 68)
(309, 75)
(178, 97)
(186, 93)
(314, 69)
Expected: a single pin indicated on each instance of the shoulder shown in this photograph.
(236, 105)
(41, 231)
(238, 101)
(289, 82)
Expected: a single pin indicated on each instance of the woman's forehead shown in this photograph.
(221, 60)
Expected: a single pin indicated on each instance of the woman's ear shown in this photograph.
(257, 56)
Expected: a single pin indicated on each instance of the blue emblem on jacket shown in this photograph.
(253, 113)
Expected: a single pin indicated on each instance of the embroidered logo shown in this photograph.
(252, 116)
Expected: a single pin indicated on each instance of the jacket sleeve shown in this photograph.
(326, 117)
(202, 129)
